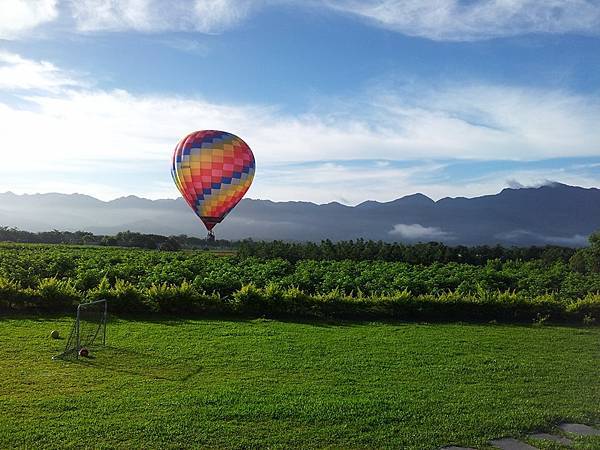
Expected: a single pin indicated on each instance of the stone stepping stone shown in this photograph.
(579, 428)
(511, 444)
(551, 437)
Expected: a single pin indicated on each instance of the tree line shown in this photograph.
(421, 253)
(121, 239)
(426, 253)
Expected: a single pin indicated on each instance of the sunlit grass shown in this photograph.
(229, 383)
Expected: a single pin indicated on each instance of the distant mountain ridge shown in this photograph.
(551, 214)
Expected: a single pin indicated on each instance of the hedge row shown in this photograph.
(56, 295)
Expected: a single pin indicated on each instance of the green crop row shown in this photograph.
(86, 267)
(52, 278)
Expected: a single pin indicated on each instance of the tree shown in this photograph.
(588, 259)
(594, 251)
(578, 262)
(170, 245)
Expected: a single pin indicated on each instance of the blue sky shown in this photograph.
(340, 100)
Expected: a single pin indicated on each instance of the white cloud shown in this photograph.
(86, 129)
(25, 74)
(206, 16)
(484, 121)
(456, 20)
(347, 183)
(215, 15)
(417, 231)
(113, 15)
(20, 16)
(530, 125)
(452, 20)
(515, 184)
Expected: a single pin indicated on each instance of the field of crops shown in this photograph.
(53, 278)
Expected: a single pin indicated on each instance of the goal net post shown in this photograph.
(88, 330)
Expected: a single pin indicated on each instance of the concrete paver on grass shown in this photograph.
(514, 444)
(551, 437)
(578, 428)
(511, 444)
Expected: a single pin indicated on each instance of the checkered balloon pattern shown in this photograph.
(212, 170)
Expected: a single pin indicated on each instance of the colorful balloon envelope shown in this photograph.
(212, 170)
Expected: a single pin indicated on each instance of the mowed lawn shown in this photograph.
(262, 383)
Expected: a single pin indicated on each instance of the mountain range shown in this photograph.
(551, 214)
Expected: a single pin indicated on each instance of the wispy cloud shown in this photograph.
(17, 17)
(206, 16)
(416, 231)
(472, 119)
(216, 15)
(576, 240)
(456, 20)
(17, 73)
(193, 46)
(347, 182)
(306, 156)
(515, 184)
(442, 20)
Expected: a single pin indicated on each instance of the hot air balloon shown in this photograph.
(212, 170)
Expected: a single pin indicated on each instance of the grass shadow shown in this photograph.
(42, 316)
(320, 322)
(131, 362)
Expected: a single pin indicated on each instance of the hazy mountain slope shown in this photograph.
(549, 214)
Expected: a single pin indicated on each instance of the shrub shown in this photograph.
(124, 297)
(298, 303)
(250, 299)
(57, 295)
(212, 303)
(13, 295)
(171, 298)
(337, 304)
(587, 306)
(128, 298)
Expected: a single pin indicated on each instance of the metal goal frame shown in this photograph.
(73, 344)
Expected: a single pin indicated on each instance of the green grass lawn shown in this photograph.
(221, 383)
